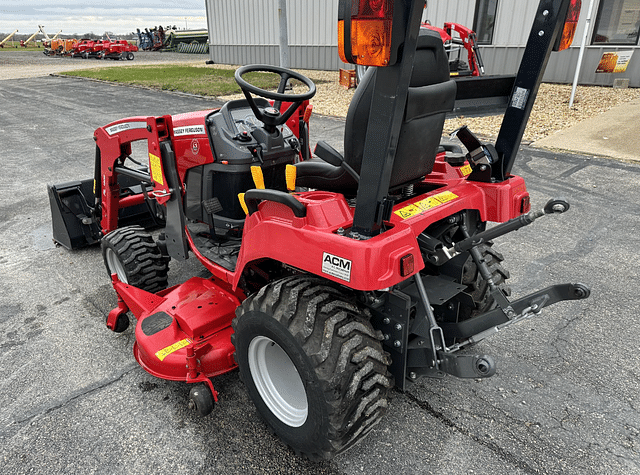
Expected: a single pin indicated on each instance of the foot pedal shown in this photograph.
(212, 206)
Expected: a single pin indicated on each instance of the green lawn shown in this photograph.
(190, 79)
(16, 47)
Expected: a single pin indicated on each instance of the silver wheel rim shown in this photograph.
(114, 265)
(277, 381)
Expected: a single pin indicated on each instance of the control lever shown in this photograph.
(330, 155)
(479, 154)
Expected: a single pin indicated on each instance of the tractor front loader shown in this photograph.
(333, 278)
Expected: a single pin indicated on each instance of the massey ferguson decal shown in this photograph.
(189, 130)
(336, 267)
(114, 129)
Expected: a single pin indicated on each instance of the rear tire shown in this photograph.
(313, 365)
(133, 255)
(479, 288)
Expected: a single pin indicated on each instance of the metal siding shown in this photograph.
(246, 31)
(501, 59)
(562, 68)
(513, 22)
(458, 11)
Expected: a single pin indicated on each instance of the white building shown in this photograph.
(247, 31)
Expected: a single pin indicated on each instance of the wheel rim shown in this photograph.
(115, 265)
(278, 382)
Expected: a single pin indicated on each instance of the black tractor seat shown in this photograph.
(431, 96)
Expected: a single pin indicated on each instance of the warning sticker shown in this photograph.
(114, 129)
(336, 267)
(189, 130)
(445, 197)
(163, 353)
(466, 170)
(519, 98)
(426, 204)
(156, 168)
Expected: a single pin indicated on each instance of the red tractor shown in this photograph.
(457, 37)
(331, 279)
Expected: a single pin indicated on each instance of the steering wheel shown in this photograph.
(271, 116)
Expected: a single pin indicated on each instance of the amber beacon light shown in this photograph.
(367, 33)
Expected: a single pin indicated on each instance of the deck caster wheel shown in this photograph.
(122, 323)
(201, 400)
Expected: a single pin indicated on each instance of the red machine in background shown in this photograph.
(119, 49)
(82, 48)
(457, 38)
(103, 49)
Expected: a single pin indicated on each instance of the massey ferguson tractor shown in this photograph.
(331, 279)
(457, 38)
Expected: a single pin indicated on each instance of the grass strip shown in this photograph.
(190, 79)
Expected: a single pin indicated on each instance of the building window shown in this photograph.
(484, 20)
(618, 22)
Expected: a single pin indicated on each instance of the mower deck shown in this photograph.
(182, 333)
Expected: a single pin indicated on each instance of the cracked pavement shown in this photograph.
(565, 399)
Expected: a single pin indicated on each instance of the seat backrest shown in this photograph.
(431, 95)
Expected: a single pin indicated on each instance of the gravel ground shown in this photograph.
(550, 113)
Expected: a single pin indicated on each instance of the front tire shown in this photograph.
(133, 255)
(312, 364)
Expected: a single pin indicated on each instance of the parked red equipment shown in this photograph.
(455, 38)
(332, 279)
(82, 48)
(120, 49)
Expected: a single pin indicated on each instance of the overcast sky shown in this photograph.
(98, 16)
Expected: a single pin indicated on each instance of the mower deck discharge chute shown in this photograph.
(332, 278)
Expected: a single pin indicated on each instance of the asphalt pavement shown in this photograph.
(565, 399)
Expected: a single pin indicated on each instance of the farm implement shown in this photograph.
(334, 278)
(457, 38)
(88, 48)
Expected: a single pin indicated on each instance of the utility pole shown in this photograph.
(284, 37)
(580, 55)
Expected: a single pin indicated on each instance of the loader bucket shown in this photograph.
(74, 225)
(71, 205)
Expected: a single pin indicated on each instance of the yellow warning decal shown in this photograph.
(426, 204)
(156, 168)
(445, 197)
(466, 170)
(163, 353)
